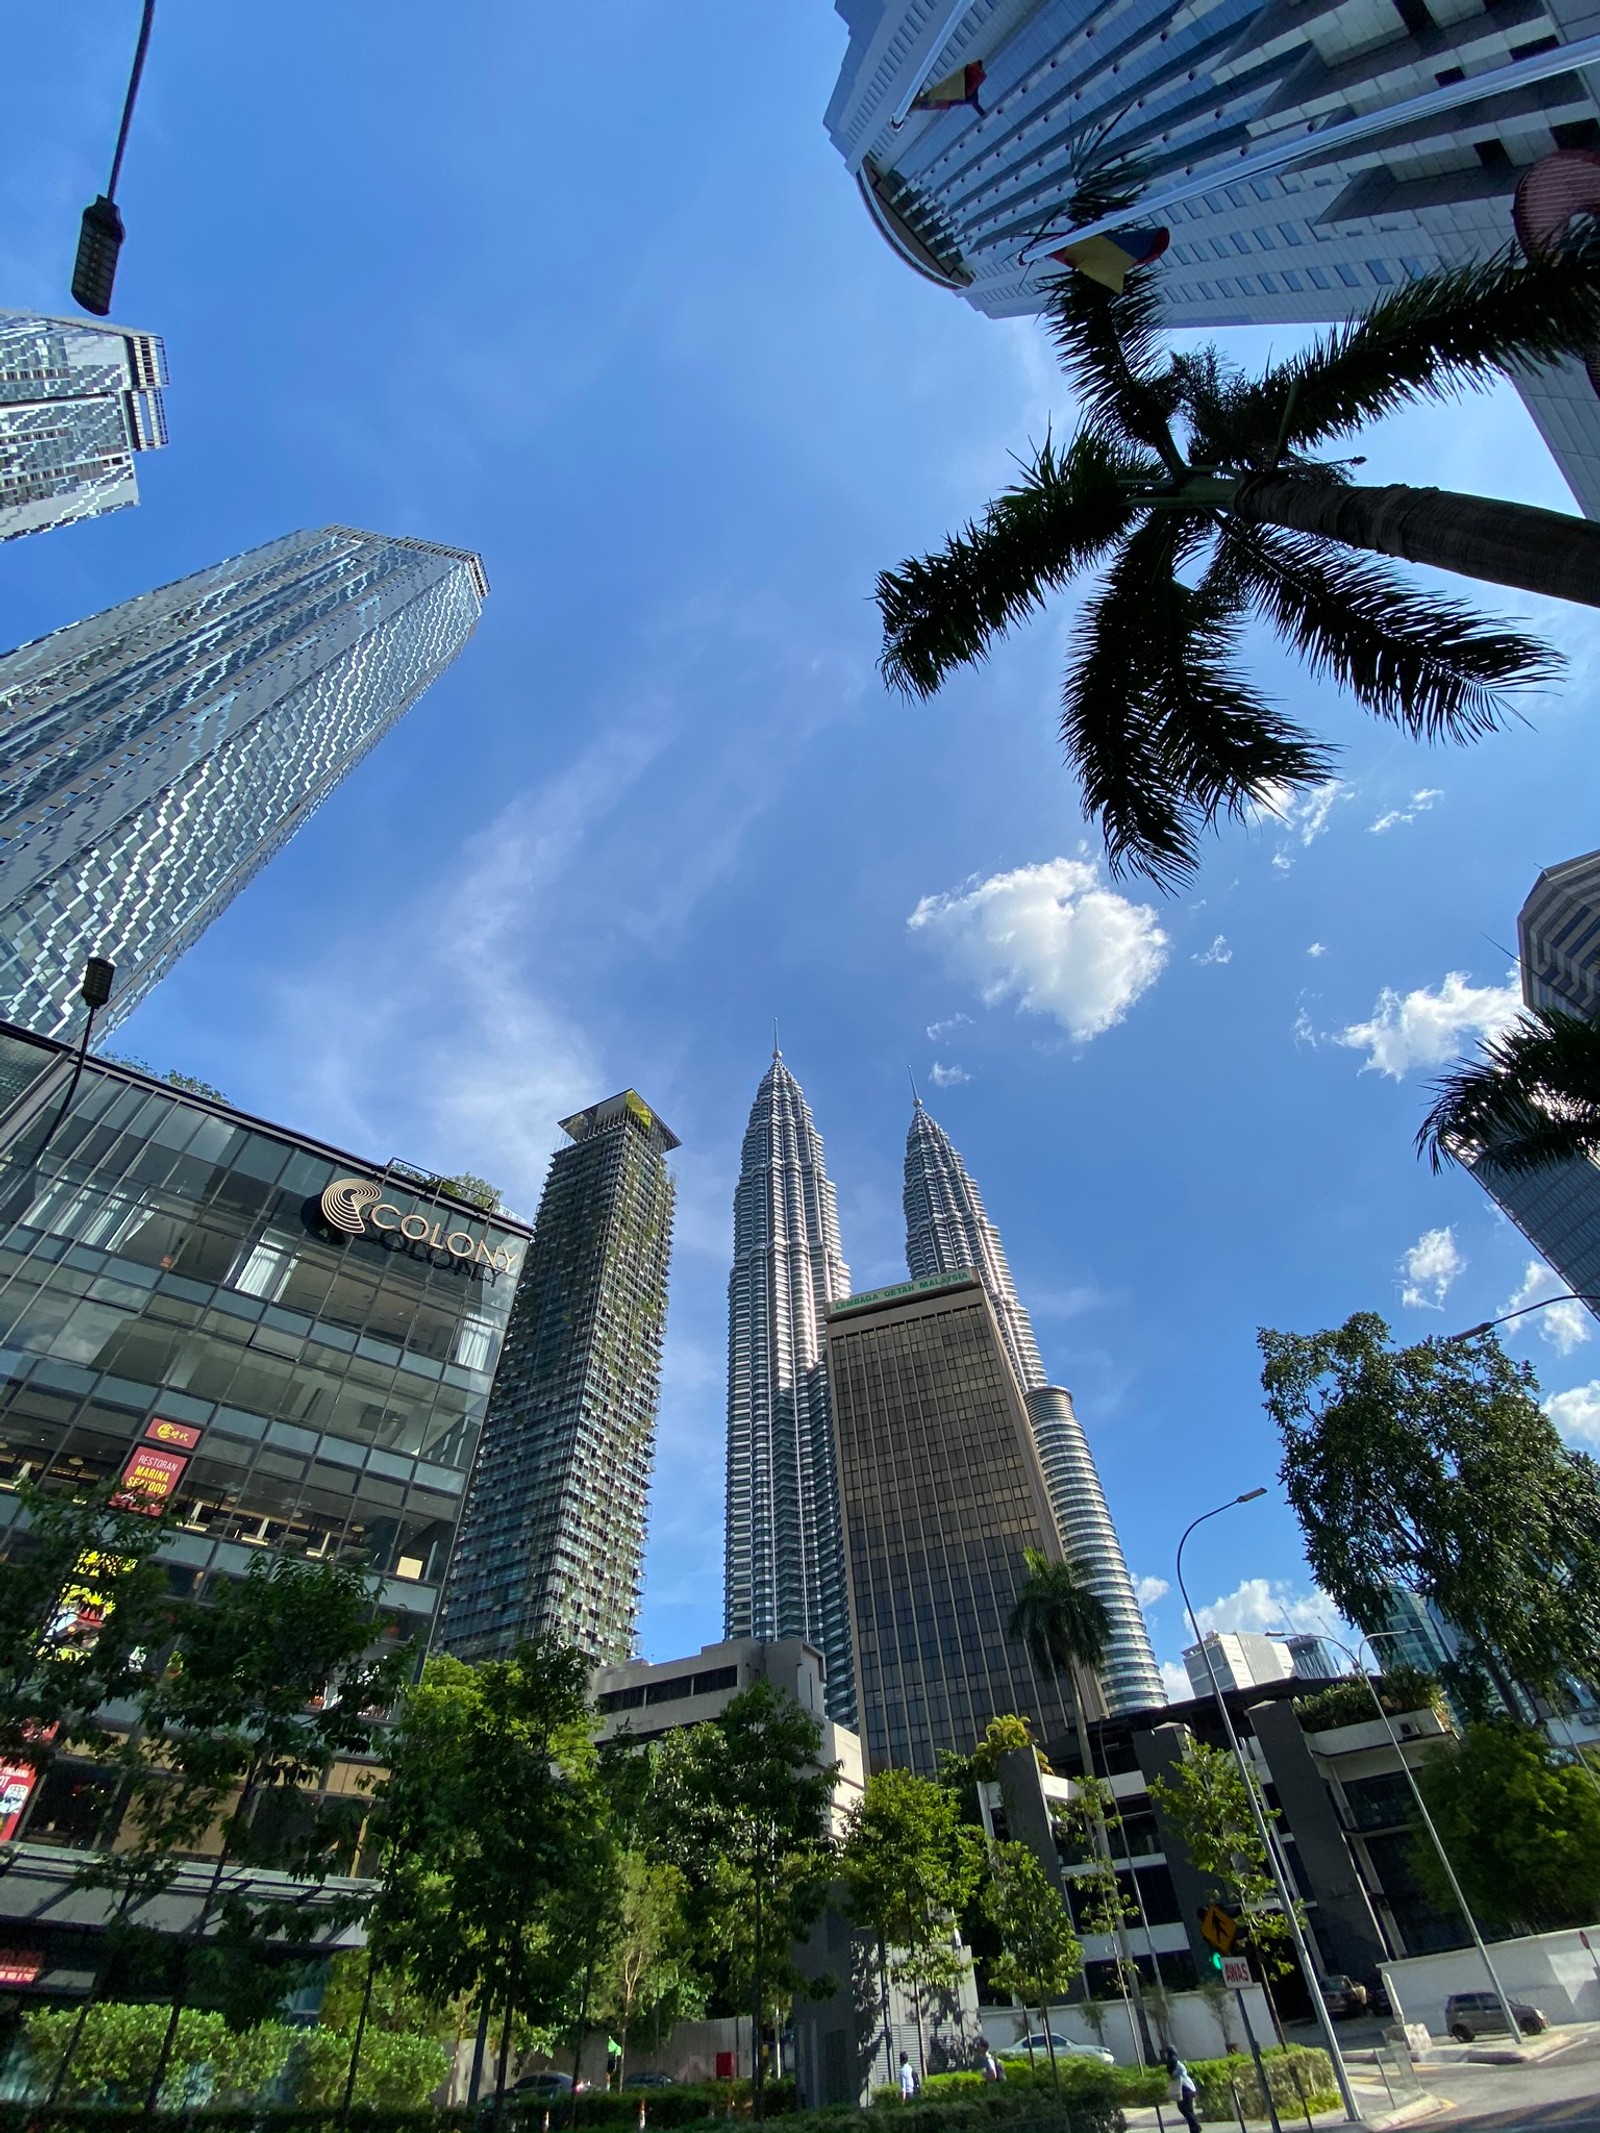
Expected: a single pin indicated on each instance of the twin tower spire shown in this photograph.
(784, 1570)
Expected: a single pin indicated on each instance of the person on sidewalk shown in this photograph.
(1181, 2088)
(992, 2069)
(908, 2079)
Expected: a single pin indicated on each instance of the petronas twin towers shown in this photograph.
(785, 1569)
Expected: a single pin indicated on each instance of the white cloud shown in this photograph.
(1577, 1413)
(1418, 804)
(946, 1077)
(1282, 862)
(1149, 1590)
(1316, 948)
(1305, 1031)
(938, 1031)
(1218, 952)
(1051, 938)
(1176, 1682)
(1425, 1028)
(1265, 1604)
(1302, 816)
(1429, 1268)
(1564, 1325)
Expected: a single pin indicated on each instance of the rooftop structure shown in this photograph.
(78, 402)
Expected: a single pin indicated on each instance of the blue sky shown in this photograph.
(587, 290)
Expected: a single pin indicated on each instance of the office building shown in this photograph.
(1312, 1657)
(154, 757)
(78, 400)
(1240, 1659)
(1557, 1207)
(965, 124)
(947, 1231)
(307, 1338)
(553, 1538)
(784, 1555)
(942, 1493)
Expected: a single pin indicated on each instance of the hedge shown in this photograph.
(686, 2103)
(1217, 2079)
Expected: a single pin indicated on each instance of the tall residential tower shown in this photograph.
(154, 757)
(552, 1537)
(77, 401)
(784, 1572)
(947, 1232)
(966, 124)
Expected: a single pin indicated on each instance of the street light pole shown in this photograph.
(100, 234)
(1427, 1820)
(1275, 1863)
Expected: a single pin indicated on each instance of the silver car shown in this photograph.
(1474, 2014)
(1038, 2047)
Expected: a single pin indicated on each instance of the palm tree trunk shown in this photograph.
(1476, 536)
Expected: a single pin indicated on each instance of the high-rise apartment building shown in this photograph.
(784, 1570)
(154, 757)
(966, 123)
(552, 1538)
(77, 401)
(942, 1493)
(1557, 1207)
(947, 1231)
(1240, 1659)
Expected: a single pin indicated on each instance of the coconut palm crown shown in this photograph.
(1531, 1097)
(1058, 1618)
(1206, 498)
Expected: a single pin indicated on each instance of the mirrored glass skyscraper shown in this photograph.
(154, 757)
(948, 1232)
(784, 1573)
(77, 401)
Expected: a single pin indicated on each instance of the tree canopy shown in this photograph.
(1521, 1823)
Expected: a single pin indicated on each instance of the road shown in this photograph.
(1562, 2091)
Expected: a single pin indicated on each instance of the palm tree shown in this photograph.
(1203, 494)
(1531, 1098)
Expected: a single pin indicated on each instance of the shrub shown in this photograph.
(116, 2056)
(1292, 2071)
(394, 2068)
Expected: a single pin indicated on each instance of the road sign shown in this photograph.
(1219, 1927)
(1236, 1972)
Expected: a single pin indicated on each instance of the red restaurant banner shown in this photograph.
(151, 1476)
(182, 1434)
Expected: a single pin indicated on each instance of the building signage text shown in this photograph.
(356, 1207)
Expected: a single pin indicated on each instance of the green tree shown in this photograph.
(467, 1185)
(498, 1876)
(648, 1978)
(909, 1864)
(1041, 1953)
(1434, 1467)
(740, 1806)
(1210, 1808)
(1521, 1824)
(1530, 1098)
(1064, 1626)
(1210, 497)
(1088, 1820)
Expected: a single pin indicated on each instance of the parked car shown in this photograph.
(1343, 1995)
(649, 2080)
(545, 2083)
(1038, 2047)
(1474, 2014)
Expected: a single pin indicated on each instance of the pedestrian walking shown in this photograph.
(1181, 2088)
(908, 2079)
(992, 2069)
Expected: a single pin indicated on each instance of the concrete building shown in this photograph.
(1240, 1659)
(947, 1230)
(552, 1541)
(154, 757)
(1312, 1657)
(783, 1559)
(78, 402)
(942, 1491)
(967, 123)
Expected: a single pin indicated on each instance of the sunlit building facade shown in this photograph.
(78, 402)
(947, 1231)
(784, 1554)
(154, 757)
(972, 189)
(552, 1543)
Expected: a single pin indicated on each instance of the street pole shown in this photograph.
(1275, 1864)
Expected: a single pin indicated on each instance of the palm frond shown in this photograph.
(1531, 1098)
(1443, 332)
(943, 610)
(1110, 347)
(1162, 731)
(1429, 664)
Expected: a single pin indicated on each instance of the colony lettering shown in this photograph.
(357, 1207)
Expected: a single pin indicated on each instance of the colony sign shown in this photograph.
(356, 1207)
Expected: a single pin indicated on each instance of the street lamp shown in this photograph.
(100, 234)
(1568, 1296)
(1275, 1863)
(1427, 1820)
(95, 990)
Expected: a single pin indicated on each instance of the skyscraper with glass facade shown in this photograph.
(552, 1539)
(784, 1566)
(966, 124)
(1557, 1207)
(947, 1231)
(154, 757)
(942, 1495)
(78, 400)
